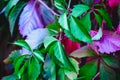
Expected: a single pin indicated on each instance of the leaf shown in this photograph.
(111, 61)
(71, 75)
(30, 18)
(10, 4)
(88, 2)
(12, 56)
(75, 65)
(23, 44)
(54, 26)
(70, 36)
(83, 52)
(86, 19)
(63, 21)
(61, 57)
(10, 77)
(14, 14)
(50, 69)
(17, 63)
(24, 70)
(99, 19)
(49, 40)
(89, 69)
(38, 54)
(79, 31)
(84, 78)
(98, 35)
(79, 9)
(46, 14)
(106, 73)
(60, 4)
(106, 17)
(34, 69)
(36, 37)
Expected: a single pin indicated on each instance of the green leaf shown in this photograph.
(111, 61)
(63, 21)
(106, 17)
(106, 73)
(61, 74)
(24, 70)
(34, 69)
(89, 69)
(18, 62)
(39, 55)
(61, 56)
(10, 4)
(99, 19)
(60, 4)
(84, 51)
(86, 19)
(14, 14)
(87, 2)
(49, 40)
(54, 26)
(50, 69)
(12, 56)
(23, 44)
(84, 78)
(71, 75)
(10, 77)
(79, 9)
(70, 36)
(98, 35)
(75, 65)
(79, 31)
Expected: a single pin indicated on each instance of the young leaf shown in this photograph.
(10, 4)
(79, 31)
(106, 73)
(111, 61)
(34, 69)
(83, 52)
(99, 19)
(63, 21)
(23, 44)
(38, 54)
(79, 9)
(60, 4)
(98, 35)
(89, 69)
(86, 19)
(106, 17)
(14, 14)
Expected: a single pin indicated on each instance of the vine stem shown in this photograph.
(69, 4)
(48, 7)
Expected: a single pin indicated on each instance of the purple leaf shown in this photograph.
(109, 43)
(35, 38)
(30, 18)
(96, 1)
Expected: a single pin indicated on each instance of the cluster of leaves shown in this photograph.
(43, 56)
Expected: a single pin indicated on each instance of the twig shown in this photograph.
(69, 4)
(48, 7)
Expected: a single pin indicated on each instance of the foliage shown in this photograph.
(61, 40)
